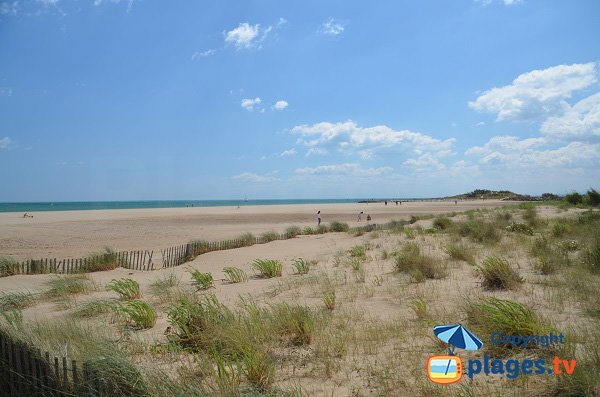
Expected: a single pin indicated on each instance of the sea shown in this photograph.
(116, 205)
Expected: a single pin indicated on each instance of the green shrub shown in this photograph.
(591, 256)
(259, 369)
(247, 239)
(127, 288)
(292, 231)
(442, 223)
(520, 228)
(419, 307)
(235, 275)
(531, 217)
(479, 231)
(593, 197)
(102, 261)
(302, 266)
(409, 233)
(8, 267)
(62, 286)
(137, 313)
(294, 322)
(413, 219)
(117, 376)
(338, 227)
(329, 299)
(489, 315)
(270, 236)
(460, 252)
(420, 267)
(359, 251)
(15, 300)
(202, 281)
(497, 273)
(308, 230)
(268, 268)
(559, 229)
(574, 198)
(94, 308)
(545, 265)
(322, 229)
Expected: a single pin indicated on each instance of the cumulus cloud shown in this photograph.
(4, 142)
(280, 105)
(248, 36)
(252, 177)
(249, 104)
(343, 169)
(579, 121)
(367, 142)
(515, 152)
(315, 151)
(333, 27)
(536, 93)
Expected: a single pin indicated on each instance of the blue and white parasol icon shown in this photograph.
(457, 336)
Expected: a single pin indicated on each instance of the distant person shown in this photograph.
(396, 202)
(455, 202)
(368, 217)
(318, 218)
(385, 202)
(360, 216)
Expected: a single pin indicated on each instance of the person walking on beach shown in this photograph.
(360, 216)
(318, 218)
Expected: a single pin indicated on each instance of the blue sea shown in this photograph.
(116, 205)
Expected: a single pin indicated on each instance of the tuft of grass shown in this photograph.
(559, 229)
(259, 369)
(479, 231)
(531, 217)
(137, 313)
(520, 228)
(292, 231)
(15, 301)
(591, 256)
(460, 252)
(359, 251)
(8, 267)
(329, 299)
(268, 268)
(126, 288)
(202, 281)
(102, 261)
(235, 275)
(497, 273)
(162, 285)
(442, 223)
(270, 236)
(488, 315)
(247, 239)
(410, 233)
(545, 265)
(63, 286)
(338, 227)
(419, 307)
(94, 308)
(322, 229)
(293, 321)
(420, 267)
(308, 230)
(302, 266)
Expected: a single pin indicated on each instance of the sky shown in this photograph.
(146, 99)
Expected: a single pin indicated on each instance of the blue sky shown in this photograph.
(127, 100)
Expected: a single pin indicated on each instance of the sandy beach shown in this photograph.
(71, 234)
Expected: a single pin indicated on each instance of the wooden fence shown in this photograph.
(25, 371)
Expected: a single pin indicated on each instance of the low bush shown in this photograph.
(235, 275)
(520, 228)
(420, 267)
(62, 286)
(247, 239)
(102, 261)
(329, 299)
(202, 281)
(94, 308)
(270, 236)
(137, 314)
(308, 230)
(322, 229)
(574, 198)
(268, 268)
(15, 301)
(302, 266)
(127, 288)
(496, 273)
(545, 265)
(479, 231)
(593, 197)
(358, 251)
(442, 223)
(460, 252)
(591, 256)
(338, 227)
(8, 267)
(292, 231)
(559, 229)
(259, 368)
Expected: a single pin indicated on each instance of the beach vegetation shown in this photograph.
(247, 239)
(126, 288)
(322, 229)
(460, 252)
(102, 261)
(520, 228)
(302, 266)
(235, 275)
(574, 198)
(16, 300)
(64, 286)
(593, 197)
(8, 267)
(293, 231)
(338, 227)
(270, 236)
(268, 268)
(329, 299)
(479, 231)
(94, 308)
(202, 281)
(137, 314)
(497, 273)
(359, 251)
(442, 223)
(409, 260)
(308, 230)
(409, 233)
(420, 308)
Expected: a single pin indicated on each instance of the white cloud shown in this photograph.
(505, 2)
(535, 152)
(129, 3)
(349, 138)
(316, 151)
(5, 91)
(344, 169)
(289, 152)
(280, 105)
(4, 142)
(333, 27)
(249, 103)
(536, 93)
(247, 36)
(48, 2)
(206, 53)
(9, 7)
(252, 177)
(579, 121)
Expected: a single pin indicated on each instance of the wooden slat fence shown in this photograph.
(25, 371)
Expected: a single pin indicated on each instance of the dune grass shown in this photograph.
(94, 308)
(293, 231)
(126, 288)
(102, 261)
(442, 223)
(64, 286)
(460, 252)
(268, 268)
(270, 236)
(16, 300)
(235, 275)
(8, 267)
(247, 239)
(202, 281)
(302, 266)
(338, 227)
(420, 267)
(137, 314)
(497, 273)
